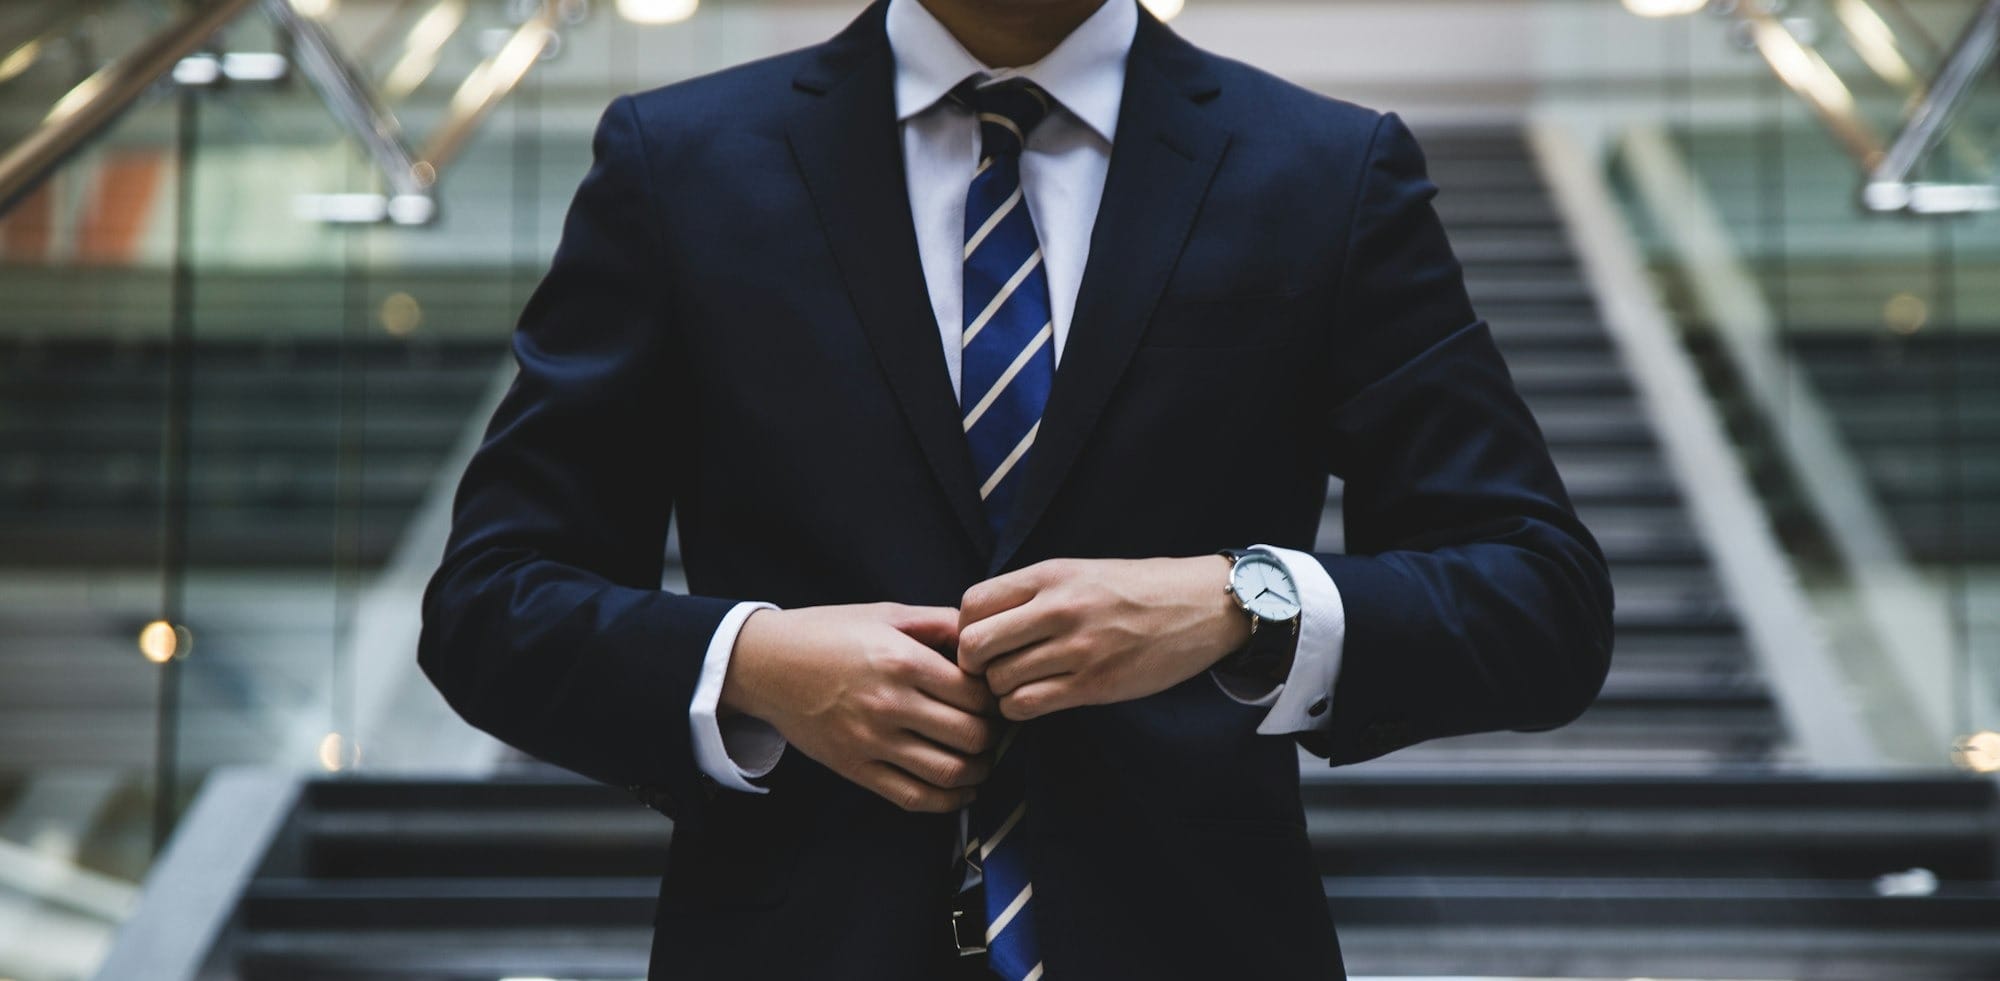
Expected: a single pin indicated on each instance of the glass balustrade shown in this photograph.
(1850, 329)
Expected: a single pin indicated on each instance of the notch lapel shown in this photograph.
(849, 149)
(1163, 158)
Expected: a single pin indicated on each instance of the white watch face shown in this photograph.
(1264, 588)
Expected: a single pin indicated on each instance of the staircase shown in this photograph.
(1550, 877)
(302, 451)
(1921, 414)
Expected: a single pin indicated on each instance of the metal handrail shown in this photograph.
(1802, 70)
(1891, 167)
(351, 100)
(490, 83)
(1889, 182)
(96, 102)
(409, 177)
(21, 51)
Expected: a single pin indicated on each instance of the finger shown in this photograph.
(935, 627)
(943, 681)
(933, 764)
(1039, 698)
(909, 793)
(952, 727)
(1004, 592)
(1004, 633)
(1046, 659)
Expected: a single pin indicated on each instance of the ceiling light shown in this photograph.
(1664, 8)
(656, 11)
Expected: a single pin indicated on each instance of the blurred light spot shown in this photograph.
(1905, 313)
(1664, 8)
(1875, 42)
(1909, 882)
(421, 47)
(498, 74)
(197, 70)
(76, 98)
(337, 753)
(1801, 67)
(316, 9)
(1979, 752)
(19, 60)
(1953, 199)
(656, 11)
(411, 209)
(349, 208)
(254, 66)
(161, 641)
(1164, 9)
(401, 313)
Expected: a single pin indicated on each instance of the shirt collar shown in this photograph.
(1085, 73)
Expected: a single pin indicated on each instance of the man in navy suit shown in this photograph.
(994, 355)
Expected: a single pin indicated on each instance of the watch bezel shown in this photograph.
(1249, 604)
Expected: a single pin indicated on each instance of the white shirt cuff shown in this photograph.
(1301, 702)
(742, 748)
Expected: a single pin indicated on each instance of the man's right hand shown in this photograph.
(865, 691)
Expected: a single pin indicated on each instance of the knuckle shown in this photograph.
(949, 773)
(1066, 611)
(971, 640)
(901, 666)
(919, 799)
(984, 734)
(1014, 707)
(858, 735)
(975, 597)
(875, 699)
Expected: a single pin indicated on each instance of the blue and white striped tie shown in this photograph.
(1009, 362)
(1008, 346)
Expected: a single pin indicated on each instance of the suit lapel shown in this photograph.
(849, 151)
(1164, 154)
(848, 148)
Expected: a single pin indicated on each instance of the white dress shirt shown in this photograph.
(1062, 175)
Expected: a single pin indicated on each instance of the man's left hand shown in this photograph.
(1071, 632)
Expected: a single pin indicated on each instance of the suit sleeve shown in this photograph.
(1475, 599)
(545, 624)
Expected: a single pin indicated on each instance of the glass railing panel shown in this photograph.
(87, 381)
(1861, 401)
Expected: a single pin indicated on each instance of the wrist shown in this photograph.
(1229, 621)
(741, 684)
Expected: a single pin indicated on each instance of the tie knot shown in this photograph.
(1008, 111)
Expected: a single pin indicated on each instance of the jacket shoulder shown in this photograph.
(1262, 101)
(755, 95)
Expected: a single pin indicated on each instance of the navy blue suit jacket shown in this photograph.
(735, 330)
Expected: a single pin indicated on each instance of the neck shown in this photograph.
(1011, 33)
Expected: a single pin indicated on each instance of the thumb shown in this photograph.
(931, 626)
